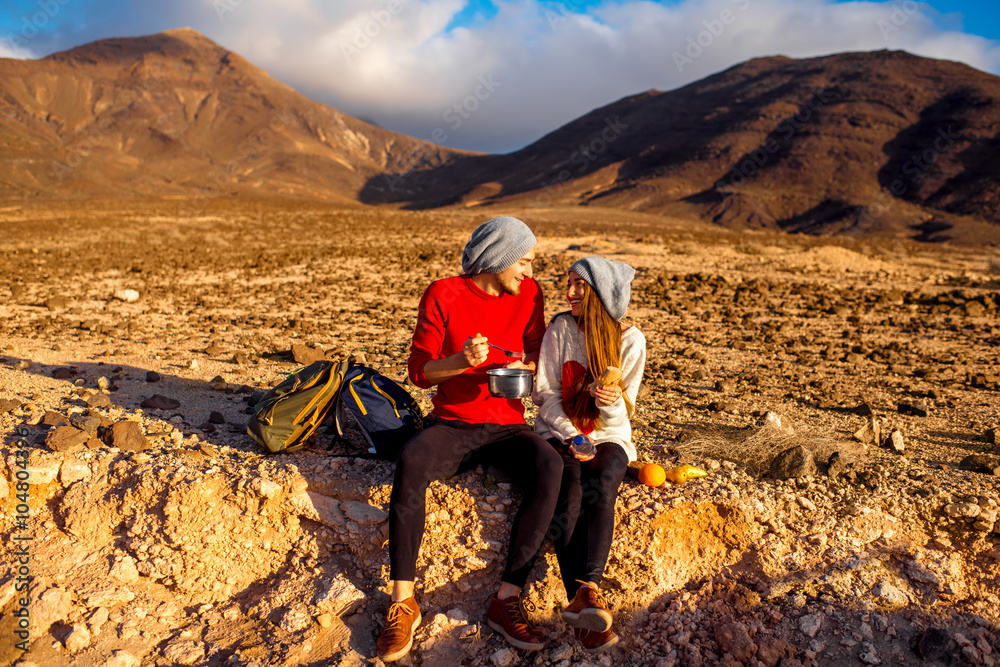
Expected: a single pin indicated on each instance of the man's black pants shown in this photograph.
(437, 453)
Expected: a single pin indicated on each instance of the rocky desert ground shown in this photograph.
(152, 531)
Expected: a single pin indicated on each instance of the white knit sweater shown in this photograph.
(564, 342)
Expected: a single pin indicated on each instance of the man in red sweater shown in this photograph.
(495, 294)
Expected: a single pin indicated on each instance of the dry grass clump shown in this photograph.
(754, 447)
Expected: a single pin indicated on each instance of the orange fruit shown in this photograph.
(652, 475)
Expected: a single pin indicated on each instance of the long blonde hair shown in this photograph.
(602, 336)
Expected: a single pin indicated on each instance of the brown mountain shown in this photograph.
(884, 141)
(175, 114)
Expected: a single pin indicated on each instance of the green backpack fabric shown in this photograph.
(290, 412)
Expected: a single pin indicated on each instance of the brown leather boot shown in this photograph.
(596, 642)
(396, 639)
(506, 617)
(587, 610)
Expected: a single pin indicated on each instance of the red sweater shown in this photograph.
(451, 311)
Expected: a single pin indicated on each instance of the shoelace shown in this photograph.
(517, 614)
(593, 591)
(393, 618)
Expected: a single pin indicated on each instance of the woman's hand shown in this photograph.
(577, 455)
(520, 364)
(607, 395)
(475, 350)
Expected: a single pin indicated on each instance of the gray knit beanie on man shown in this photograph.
(497, 244)
(611, 280)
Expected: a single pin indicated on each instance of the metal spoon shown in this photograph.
(512, 355)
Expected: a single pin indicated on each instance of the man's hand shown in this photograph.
(607, 395)
(475, 350)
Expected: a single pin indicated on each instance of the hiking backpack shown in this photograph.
(383, 412)
(374, 416)
(290, 412)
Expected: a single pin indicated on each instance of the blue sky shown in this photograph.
(496, 75)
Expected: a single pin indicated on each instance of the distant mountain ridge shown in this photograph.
(175, 114)
(883, 142)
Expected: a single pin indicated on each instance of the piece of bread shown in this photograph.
(610, 376)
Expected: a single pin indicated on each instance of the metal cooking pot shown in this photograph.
(509, 382)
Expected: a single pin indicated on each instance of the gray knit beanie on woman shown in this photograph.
(497, 244)
(611, 280)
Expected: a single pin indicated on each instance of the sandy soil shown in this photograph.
(183, 544)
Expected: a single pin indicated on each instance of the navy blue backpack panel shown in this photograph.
(387, 414)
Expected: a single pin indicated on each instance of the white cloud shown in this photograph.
(393, 60)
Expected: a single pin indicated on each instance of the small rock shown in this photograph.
(78, 638)
(127, 436)
(103, 383)
(810, 624)
(561, 652)
(152, 376)
(8, 405)
(99, 400)
(73, 470)
(870, 434)
(916, 408)
(184, 652)
(125, 570)
(216, 418)
(991, 435)
(305, 355)
(160, 402)
(86, 422)
(806, 503)
(215, 350)
(503, 658)
(62, 373)
(868, 655)
(793, 462)
(265, 487)
(772, 650)
(835, 466)
(52, 418)
(734, 639)
(65, 438)
(889, 595)
(896, 441)
(725, 386)
(57, 302)
(962, 510)
(127, 295)
(325, 620)
(122, 659)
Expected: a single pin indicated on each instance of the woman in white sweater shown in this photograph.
(590, 426)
